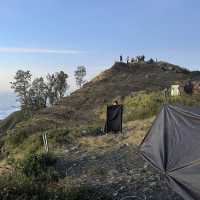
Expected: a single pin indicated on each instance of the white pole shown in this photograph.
(47, 147)
(44, 137)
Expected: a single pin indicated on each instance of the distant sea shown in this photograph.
(8, 104)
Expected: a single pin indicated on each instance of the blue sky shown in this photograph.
(51, 35)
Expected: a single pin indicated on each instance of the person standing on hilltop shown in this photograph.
(127, 59)
(121, 58)
(132, 60)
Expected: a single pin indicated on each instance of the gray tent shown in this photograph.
(172, 146)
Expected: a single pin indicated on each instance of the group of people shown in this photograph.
(127, 59)
(132, 60)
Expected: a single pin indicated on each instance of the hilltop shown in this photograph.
(109, 164)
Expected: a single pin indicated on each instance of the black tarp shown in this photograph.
(114, 118)
(172, 146)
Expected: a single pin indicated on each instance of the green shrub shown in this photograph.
(142, 105)
(32, 178)
(87, 193)
(15, 142)
(15, 137)
(27, 128)
(40, 167)
(19, 187)
(91, 131)
(22, 188)
(61, 136)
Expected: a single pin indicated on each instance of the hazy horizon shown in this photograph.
(8, 104)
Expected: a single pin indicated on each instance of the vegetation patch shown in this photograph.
(61, 136)
(25, 129)
(143, 104)
(40, 167)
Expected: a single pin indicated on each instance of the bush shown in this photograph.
(142, 105)
(16, 137)
(34, 179)
(26, 128)
(19, 187)
(62, 136)
(92, 131)
(40, 167)
(23, 188)
(87, 193)
(30, 145)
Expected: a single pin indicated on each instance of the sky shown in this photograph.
(45, 36)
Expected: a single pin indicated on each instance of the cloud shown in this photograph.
(38, 50)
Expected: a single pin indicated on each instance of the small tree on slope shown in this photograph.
(21, 85)
(79, 74)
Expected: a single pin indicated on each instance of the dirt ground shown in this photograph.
(113, 165)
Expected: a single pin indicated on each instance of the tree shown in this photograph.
(79, 74)
(61, 85)
(35, 95)
(56, 86)
(38, 94)
(21, 85)
(52, 94)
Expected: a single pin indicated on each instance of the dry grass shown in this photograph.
(134, 132)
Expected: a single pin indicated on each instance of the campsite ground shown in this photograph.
(113, 166)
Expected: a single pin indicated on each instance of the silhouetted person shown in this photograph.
(121, 58)
(127, 59)
(132, 60)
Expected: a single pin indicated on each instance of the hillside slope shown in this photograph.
(117, 82)
(137, 86)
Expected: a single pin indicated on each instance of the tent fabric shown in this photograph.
(172, 146)
(114, 118)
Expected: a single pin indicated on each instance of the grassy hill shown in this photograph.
(86, 106)
(110, 164)
(115, 83)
